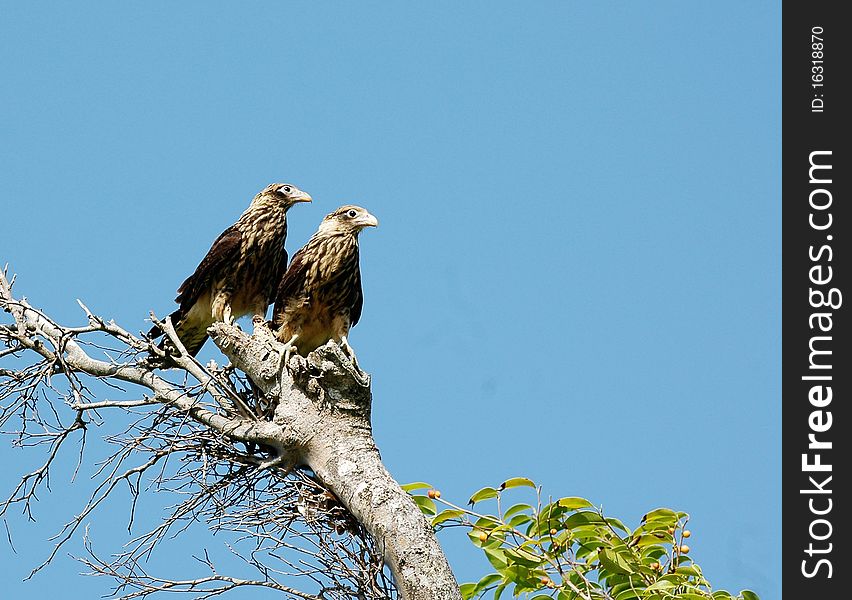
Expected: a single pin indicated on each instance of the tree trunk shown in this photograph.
(323, 412)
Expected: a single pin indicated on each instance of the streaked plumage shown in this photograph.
(320, 297)
(238, 276)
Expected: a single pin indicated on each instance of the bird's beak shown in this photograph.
(368, 220)
(302, 197)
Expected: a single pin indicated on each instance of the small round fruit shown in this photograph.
(655, 566)
(553, 532)
(686, 533)
(434, 494)
(483, 537)
(684, 549)
(670, 530)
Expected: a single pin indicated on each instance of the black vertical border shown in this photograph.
(805, 130)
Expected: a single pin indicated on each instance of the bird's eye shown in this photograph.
(351, 214)
(286, 189)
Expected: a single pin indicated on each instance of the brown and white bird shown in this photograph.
(241, 270)
(320, 298)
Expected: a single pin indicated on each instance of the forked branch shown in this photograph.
(207, 435)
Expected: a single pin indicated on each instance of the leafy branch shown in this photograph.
(568, 549)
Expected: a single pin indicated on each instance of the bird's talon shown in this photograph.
(288, 354)
(348, 351)
(289, 347)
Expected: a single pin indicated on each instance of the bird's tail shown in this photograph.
(192, 338)
(157, 331)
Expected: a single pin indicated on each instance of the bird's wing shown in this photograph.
(224, 250)
(277, 276)
(292, 282)
(357, 299)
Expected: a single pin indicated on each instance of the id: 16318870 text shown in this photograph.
(817, 69)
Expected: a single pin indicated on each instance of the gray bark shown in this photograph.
(323, 414)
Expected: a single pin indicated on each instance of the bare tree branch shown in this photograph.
(278, 457)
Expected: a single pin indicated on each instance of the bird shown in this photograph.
(239, 274)
(320, 296)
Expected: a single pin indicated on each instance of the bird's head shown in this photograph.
(282, 194)
(348, 219)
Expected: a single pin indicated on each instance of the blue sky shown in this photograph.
(577, 273)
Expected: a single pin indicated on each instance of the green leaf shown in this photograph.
(515, 509)
(485, 493)
(649, 539)
(528, 559)
(655, 527)
(617, 524)
(628, 594)
(663, 584)
(519, 520)
(446, 515)
(525, 580)
(497, 558)
(489, 580)
(585, 517)
(516, 482)
(417, 485)
(486, 582)
(498, 591)
(532, 544)
(467, 590)
(426, 505)
(487, 522)
(749, 595)
(654, 552)
(615, 590)
(574, 502)
(690, 571)
(589, 550)
(661, 514)
(615, 562)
